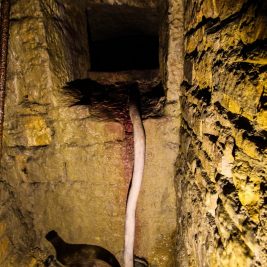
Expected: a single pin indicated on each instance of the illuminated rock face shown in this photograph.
(222, 164)
(64, 169)
(202, 199)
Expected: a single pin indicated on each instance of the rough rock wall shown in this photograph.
(4, 249)
(9, 218)
(65, 169)
(32, 164)
(13, 224)
(221, 181)
(5, 245)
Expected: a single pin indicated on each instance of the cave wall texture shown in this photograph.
(221, 177)
(62, 168)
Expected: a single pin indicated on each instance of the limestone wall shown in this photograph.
(221, 180)
(7, 219)
(40, 59)
(65, 169)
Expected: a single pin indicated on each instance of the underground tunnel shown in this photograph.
(79, 82)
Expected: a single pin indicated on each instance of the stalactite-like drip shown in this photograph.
(139, 161)
(5, 7)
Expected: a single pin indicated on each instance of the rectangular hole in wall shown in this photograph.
(123, 37)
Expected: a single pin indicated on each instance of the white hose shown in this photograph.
(139, 162)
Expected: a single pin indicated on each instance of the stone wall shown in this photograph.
(64, 169)
(6, 216)
(4, 250)
(221, 170)
(36, 64)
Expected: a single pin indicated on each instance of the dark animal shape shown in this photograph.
(79, 255)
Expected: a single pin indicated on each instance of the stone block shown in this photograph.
(88, 132)
(192, 41)
(247, 146)
(100, 163)
(22, 9)
(227, 8)
(254, 23)
(29, 131)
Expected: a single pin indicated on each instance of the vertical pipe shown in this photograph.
(139, 161)
(4, 28)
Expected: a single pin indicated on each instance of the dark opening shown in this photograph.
(123, 38)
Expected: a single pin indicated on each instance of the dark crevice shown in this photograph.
(185, 85)
(191, 55)
(258, 45)
(210, 185)
(263, 188)
(228, 188)
(25, 18)
(207, 157)
(204, 22)
(222, 145)
(202, 54)
(245, 69)
(188, 66)
(23, 148)
(259, 138)
(203, 94)
(234, 150)
(263, 69)
(212, 138)
(188, 129)
(218, 177)
(217, 63)
(223, 23)
(239, 121)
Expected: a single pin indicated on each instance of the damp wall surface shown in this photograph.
(62, 169)
(40, 60)
(221, 180)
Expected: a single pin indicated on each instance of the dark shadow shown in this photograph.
(79, 255)
(125, 53)
(122, 37)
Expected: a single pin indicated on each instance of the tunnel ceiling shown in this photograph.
(110, 21)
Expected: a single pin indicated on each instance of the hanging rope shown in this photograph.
(4, 30)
